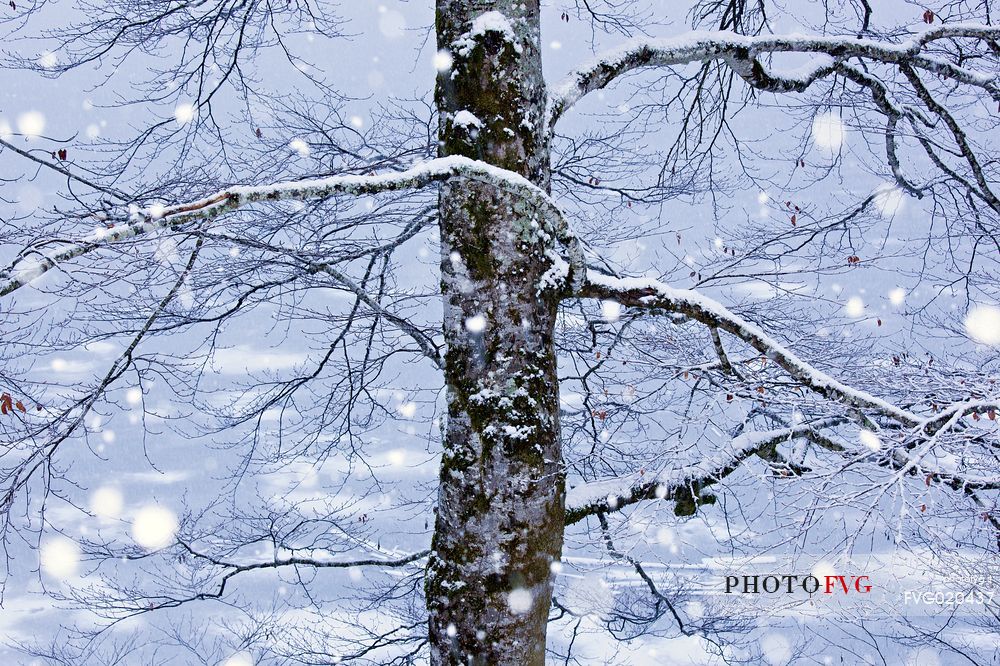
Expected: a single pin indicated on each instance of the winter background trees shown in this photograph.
(223, 434)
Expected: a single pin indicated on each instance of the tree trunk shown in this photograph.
(500, 508)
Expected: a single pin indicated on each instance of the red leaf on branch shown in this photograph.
(20, 405)
(928, 17)
(6, 403)
(62, 154)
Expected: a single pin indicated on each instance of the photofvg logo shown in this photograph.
(875, 585)
(794, 583)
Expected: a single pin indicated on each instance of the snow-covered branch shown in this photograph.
(681, 484)
(652, 294)
(742, 53)
(648, 293)
(34, 261)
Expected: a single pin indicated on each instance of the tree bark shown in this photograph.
(500, 510)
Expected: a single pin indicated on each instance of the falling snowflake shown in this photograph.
(520, 601)
(391, 24)
(855, 307)
(870, 440)
(443, 61)
(828, 132)
(611, 310)
(889, 200)
(133, 396)
(48, 60)
(239, 659)
(154, 527)
(184, 113)
(983, 324)
(476, 324)
(31, 123)
(60, 557)
(106, 502)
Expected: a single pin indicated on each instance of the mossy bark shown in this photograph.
(500, 510)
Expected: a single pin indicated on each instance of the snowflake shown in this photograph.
(828, 132)
(31, 123)
(476, 324)
(184, 113)
(60, 557)
(520, 601)
(106, 502)
(154, 527)
(983, 324)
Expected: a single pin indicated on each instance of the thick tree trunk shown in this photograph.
(500, 509)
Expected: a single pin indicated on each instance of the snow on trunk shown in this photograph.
(500, 510)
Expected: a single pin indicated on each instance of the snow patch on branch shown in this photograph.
(556, 275)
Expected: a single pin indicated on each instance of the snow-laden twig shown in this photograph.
(742, 51)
